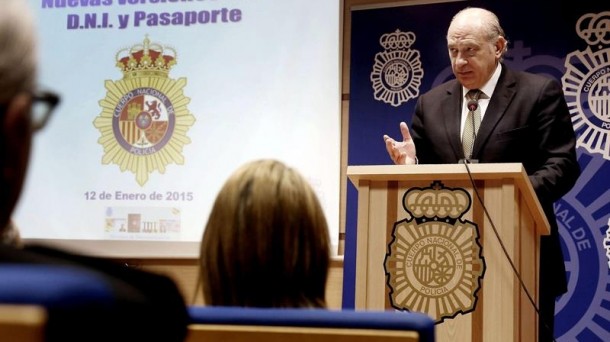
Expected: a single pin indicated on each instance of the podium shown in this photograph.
(460, 243)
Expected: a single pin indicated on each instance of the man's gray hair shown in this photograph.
(18, 55)
(490, 22)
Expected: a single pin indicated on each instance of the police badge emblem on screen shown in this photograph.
(144, 117)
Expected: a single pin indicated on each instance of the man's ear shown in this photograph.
(500, 45)
(16, 116)
(15, 141)
(17, 133)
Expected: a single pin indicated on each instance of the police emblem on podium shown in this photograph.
(144, 118)
(435, 264)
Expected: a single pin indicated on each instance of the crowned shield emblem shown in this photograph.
(586, 84)
(144, 118)
(397, 72)
(435, 264)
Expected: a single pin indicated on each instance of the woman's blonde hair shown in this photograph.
(266, 242)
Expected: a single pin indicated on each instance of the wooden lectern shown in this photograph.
(426, 243)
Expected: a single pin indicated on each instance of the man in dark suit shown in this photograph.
(524, 118)
(143, 306)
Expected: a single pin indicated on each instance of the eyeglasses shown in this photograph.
(43, 104)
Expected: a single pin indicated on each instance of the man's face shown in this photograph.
(473, 56)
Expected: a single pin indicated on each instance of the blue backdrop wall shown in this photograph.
(570, 42)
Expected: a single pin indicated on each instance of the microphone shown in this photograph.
(472, 105)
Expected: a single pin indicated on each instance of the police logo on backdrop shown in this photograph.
(144, 116)
(435, 264)
(397, 72)
(586, 84)
(581, 313)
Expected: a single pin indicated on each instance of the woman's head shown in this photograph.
(266, 242)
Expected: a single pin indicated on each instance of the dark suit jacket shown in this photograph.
(527, 121)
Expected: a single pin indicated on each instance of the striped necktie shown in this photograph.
(473, 121)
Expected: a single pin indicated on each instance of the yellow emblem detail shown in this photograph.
(144, 118)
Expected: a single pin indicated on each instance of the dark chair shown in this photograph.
(52, 303)
(223, 324)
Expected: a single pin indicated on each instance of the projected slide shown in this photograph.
(162, 99)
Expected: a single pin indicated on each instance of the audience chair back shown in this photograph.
(52, 303)
(23, 323)
(222, 324)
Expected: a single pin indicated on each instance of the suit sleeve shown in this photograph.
(558, 169)
(423, 143)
